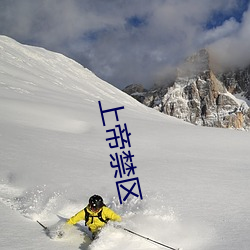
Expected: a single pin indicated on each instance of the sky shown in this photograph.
(132, 41)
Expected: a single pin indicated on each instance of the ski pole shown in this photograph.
(45, 228)
(159, 243)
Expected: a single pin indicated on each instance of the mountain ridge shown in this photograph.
(201, 95)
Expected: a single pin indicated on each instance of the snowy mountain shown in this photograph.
(201, 96)
(54, 156)
(237, 81)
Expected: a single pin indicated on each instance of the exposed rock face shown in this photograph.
(137, 91)
(237, 81)
(199, 97)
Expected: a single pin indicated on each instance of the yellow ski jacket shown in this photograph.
(94, 223)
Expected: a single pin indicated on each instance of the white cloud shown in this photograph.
(233, 50)
(228, 28)
(97, 32)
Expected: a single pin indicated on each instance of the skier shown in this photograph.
(95, 214)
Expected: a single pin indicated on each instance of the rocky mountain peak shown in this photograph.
(196, 64)
(200, 96)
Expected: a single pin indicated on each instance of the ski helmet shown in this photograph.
(95, 202)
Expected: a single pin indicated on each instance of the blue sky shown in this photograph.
(131, 41)
(218, 17)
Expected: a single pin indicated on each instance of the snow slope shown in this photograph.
(195, 181)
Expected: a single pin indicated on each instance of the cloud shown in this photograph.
(228, 28)
(233, 49)
(123, 42)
